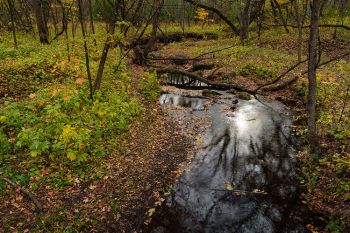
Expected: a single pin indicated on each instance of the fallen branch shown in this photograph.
(26, 192)
(221, 86)
(281, 76)
(216, 11)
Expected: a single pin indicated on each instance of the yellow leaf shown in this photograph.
(150, 212)
(33, 153)
(229, 186)
(2, 119)
(71, 155)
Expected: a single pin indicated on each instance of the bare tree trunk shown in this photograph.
(73, 27)
(106, 47)
(284, 22)
(11, 9)
(102, 63)
(87, 61)
(245, 20)
(40, 6)
(141, 54)
(92, 27)
(341, 8)
(312, 66)
(300, 30)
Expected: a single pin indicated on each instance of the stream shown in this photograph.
(242, 177)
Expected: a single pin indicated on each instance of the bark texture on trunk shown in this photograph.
(40, 10)
(312, 66)
(11, 11)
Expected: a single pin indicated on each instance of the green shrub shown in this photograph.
(150, 86)
(62, 126)
(258, 71)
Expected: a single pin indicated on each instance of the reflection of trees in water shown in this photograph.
(200, 202)
(184, 101)
(264, 163)
(184, 81)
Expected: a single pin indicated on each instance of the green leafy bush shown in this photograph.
(150, 86)
(62, 126)
(258, 71)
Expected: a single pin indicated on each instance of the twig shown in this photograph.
(293, 79)
(26, 192)
(281, 76)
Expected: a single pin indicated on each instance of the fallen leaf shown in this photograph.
(32, 96)
(80, 81)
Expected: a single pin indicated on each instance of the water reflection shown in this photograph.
(183, 81)
(243, 178)
(194, 103)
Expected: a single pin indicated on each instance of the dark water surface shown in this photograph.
(243, 177)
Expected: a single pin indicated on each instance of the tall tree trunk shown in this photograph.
(341, 8)
(11, 10)
(299, 25)
(92, 27)
(40, 6)
(86, 50)
(141, 54)
(245, 20)
(284, 22)
(312, 66)
(106, 47)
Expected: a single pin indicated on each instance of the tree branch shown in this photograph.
(216, 11)
(26, 192)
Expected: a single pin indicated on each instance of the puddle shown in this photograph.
(243, 177)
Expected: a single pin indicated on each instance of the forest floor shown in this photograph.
(123, 186)
(119, 190)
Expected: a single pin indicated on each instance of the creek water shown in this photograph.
(242, 179)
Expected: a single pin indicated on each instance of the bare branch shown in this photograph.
(26, 192)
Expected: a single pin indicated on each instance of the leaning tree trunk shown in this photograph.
(312, 66)
(40, 6)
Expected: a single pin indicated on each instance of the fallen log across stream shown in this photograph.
(220, 86)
